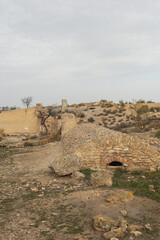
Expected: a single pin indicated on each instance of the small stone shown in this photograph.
(114, 238)
(143, 176)
(43, 188)
(55, 214)
(115, 232)
(136, 233)
(133, 228)
(131, 238)
(78, 175)
(101, 178)
(151, 188)
(152, 169)
(123, 213)
(111, 151)
(26, 185)
(148, 227)
(104, 223)
(40, 195)
(34, 189)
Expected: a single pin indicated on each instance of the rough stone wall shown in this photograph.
(20, 121)
(53, 125)
(68, 121)
(98, 146)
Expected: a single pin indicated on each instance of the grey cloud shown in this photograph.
(70, 43)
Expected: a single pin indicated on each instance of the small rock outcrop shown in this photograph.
(120, 196)
(112, 228)
(101, 178)
(66, 165)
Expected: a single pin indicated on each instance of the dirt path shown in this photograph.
(36, 204)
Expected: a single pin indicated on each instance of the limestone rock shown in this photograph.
(117, 232)
(152, 169)
(112, 228)
(123, 225)
(136, 233)
(104, 223)
(134, 227)
(34, 189)
(78, 175)
(148, 227)
(123, 213)
(151, 188)
(120, 196)
(67, 165)
(101, 178)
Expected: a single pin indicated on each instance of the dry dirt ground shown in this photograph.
(37, 204)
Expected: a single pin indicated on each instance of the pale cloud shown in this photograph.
(79, 49)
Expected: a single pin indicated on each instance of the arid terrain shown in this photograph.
(37, 204)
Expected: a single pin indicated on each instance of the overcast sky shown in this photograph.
(82, 50)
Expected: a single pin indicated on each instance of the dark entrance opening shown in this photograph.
(115, 163)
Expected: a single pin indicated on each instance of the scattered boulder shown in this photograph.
(133, 228)
(112, 228)
(148, 227)
(101, 178)
(78, 175)
(151, 188)
(114, 233)
(67, 165)
(136, 233)
(123, 213)
(120, 196)
(104, 223)
(152, 169)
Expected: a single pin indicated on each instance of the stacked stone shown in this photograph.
(98, 146)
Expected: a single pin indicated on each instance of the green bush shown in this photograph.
(122, 104)
(140, 101)
(87, 172)
(142, 110)
(91, 120)
(157, 134)
(81, 115)
(152, 109)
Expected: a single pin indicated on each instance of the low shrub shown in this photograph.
(122, 104)
(87, 172)
(81, 104)
(157, 134)
(28, 143)
(91, 120)
(141, 101)
(55, 137)
(81, 115)
(152, 109)
(33, 137)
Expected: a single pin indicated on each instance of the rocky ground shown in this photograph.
(37, 204)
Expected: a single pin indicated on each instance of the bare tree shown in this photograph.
(44, 114)
(26, 101)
